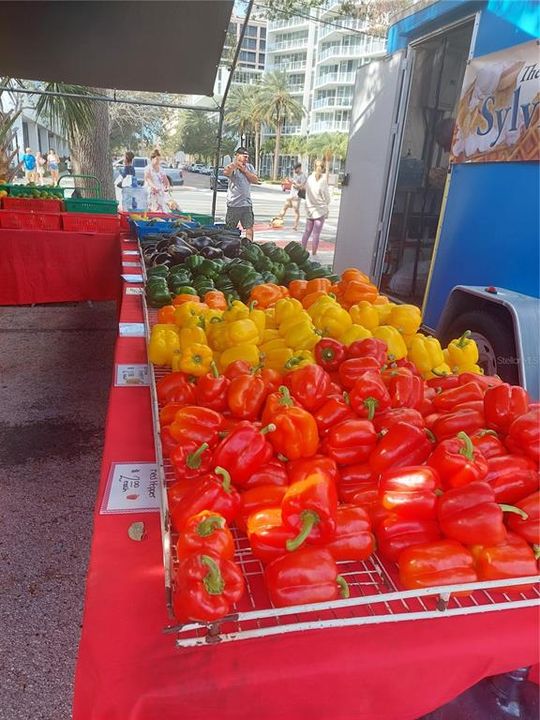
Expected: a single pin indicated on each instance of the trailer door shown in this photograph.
(372, 158)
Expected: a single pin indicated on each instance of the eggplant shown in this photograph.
(179, 253)
(162, 258)
(231, 248)
(211, 253)
(164, 243)
(200, 242)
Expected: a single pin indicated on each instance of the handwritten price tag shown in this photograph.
(133, 278)
(134, 291)
(131, 488)
(129, 252)
(131, 264)
(131, 329)
(132, 375)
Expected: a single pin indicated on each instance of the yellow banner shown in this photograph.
(499, 111)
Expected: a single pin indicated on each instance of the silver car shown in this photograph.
(140, 163)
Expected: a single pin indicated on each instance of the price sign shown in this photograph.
(131, 487)
(133, 278)
(132, 375)
(129, 252)
(130, 264)
(131, 330)
(134, 291)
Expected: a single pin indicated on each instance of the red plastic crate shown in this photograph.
(32, 205)
(17, 220)
(87, 222)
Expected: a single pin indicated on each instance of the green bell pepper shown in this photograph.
(193, 262)
(159, 270)
(296, 252)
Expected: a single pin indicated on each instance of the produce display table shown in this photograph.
(128, 669)
(41, 266)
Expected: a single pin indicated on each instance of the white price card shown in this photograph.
(131, 487)
(134, 291)
(132, 375)
(131, 264)
(131, 330)
(130, 252)
(133, 278)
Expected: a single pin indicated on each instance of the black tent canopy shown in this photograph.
(147, 45)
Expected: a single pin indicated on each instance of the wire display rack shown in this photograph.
(375, 594)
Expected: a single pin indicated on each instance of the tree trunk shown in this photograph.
(257, 148)
(90, 151)
(276, 150)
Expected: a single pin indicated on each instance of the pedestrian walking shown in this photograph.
(40, 168)
(29, 164)
(317, 205)
(53, 161)
(156, 183)
(296, 194)
(241, 175)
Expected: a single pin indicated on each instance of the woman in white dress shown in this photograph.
(156, 183)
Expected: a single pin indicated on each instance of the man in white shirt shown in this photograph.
(296, 194)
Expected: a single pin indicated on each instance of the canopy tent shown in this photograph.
(150, 45)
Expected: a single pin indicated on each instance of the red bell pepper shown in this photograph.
(309, 507)
(369, 348)
(200, 425)
(358, 485)
(385, 420)
(503, 404)
(277, 401)
(410, 492)
(447, 400)
(443, 382)
(298, 470)
(209, 492)
(426, 404)
(206, 532)
(353, 539)
(471, 515)
(175, 387)
(445, 562)
(487, 441)
(168, 443)
(309, 575)
(243, 451)
(528, 528)
(524, 435)
(406, 389)
(268, 535)
(477, 405)
(212, 390)
(177, 491)
(395, 534)
(237, 368)
(351, 442)
(484, 381)
(402, 445)
(448, 425)
(296, 435)
(355, 368)
(330, 353)
(309, 386)
(246, 395)
(258, 498)
(168, 412)
(457, 461)
(189, 460)
(369, 396)
(512, 477)
(206, 588)
(332, 412)
(271, 378)
(273, 472)
(510, 559)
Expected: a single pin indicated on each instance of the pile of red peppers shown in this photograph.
(337, 460)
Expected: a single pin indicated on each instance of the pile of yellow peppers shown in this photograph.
(284, 335)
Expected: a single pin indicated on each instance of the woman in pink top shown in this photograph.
(317, 204)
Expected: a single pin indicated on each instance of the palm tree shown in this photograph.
(278, 105)
(86, 123)
(256, 117)
(238, 113)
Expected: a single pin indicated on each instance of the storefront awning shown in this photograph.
(150, 45)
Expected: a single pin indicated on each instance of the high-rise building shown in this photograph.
(320, 52)
(252, 57)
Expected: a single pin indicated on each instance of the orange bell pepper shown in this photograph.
(298, 288)
(215, 299)
(310, 298)
(354, 274)
(266, 295)
(179, 299)
(318, 285)
(166, 314)
(356, 291)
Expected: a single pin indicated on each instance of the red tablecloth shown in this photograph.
(42, 267)
(129, 670)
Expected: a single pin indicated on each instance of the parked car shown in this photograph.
(197, 168)
(139, 163)
(222, 180)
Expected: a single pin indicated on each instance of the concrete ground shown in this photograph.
(55, 372)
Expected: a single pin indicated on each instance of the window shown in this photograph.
(251, 31)
(262, 44)
(262, 32)
(248, 57)
(249, 43)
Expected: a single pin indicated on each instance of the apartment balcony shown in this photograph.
(293, 22)
(346, 25)
(285, 130)
(333, 102)
(285, 45)
(335, 79)
(330, 126)
(344, 51)
(296, 89)
(288, 67)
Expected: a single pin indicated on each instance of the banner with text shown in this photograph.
(499, 111)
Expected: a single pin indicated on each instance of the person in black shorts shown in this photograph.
(241, 175)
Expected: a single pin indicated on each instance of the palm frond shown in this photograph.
(71, 114)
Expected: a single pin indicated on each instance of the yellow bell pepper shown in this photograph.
(426, 353)
(192, 335)
(440, 371)
(320, 306)
(243, 351)
(394, 342)
(287, 308)
(470, 369)
(299, 360)
(218, 335)
(193, 360)
(189, 314)
(463, 352)
(405, 318)
(211, 315)
(258, 317)
(242, 331)
(275, 353)
(164, 341)
(236, 311)
(270, 334)
(301, 335)
(364, 314)
(384, 311)
(270, 315)
(354, 333)
(333, 321)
